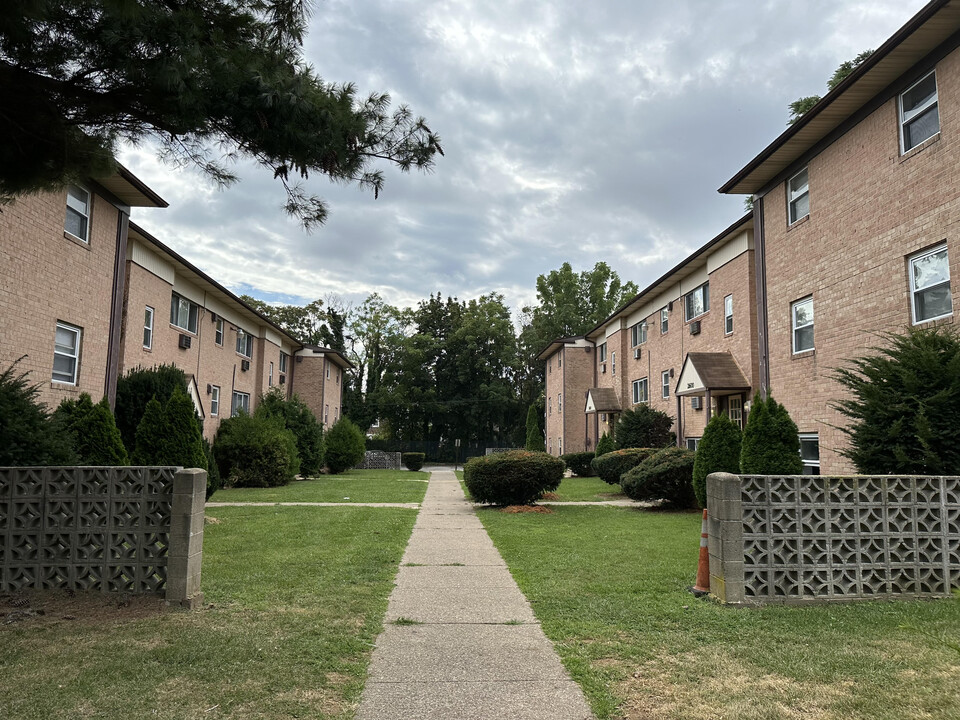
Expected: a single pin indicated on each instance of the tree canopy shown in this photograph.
(799, 107)
(209, 81)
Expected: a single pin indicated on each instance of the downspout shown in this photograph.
(760, 261)
(116, 308)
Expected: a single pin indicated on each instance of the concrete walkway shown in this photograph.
(468, 646)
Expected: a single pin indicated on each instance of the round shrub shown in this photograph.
(614, 464)
(666, 475)
(644, 427)
(346, 446)
(579, 463)
(255, 452)
(718, 451)
(604, 445)
(413, 460)
(517, 477)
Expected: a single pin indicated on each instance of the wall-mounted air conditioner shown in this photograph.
(185, 341)
(696, 402)
(695, 327)
(637, 352)
(670, 306)
(209, 389)
(603, 367)
(283, 379)
(244, 365)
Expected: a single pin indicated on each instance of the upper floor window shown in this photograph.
(550, 406)
(326, 365)
(148, 327)
(802, 311)
(697, 302)
(613, 363)
(664, 321)
(640, 391)
(218, 332)
(270, 376)
(77, 222)
(665, 384)
(183, 313)
(930, 285)
(602, 352)
(728, 315)
(244, 343)
(283, 362)
(638, 334)
(214, 399)
(919, 112)
(559, 361)
(66, 353)
(798, 196)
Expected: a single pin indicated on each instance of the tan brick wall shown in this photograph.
(45, 277)
(332, 386)
(577, 374)
(308, 384)
(870, 208)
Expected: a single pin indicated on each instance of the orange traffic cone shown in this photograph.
(703, 567)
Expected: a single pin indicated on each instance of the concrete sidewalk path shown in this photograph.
(468, 646)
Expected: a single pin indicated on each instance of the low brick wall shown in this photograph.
(806, 538)
(380, 460)
(108, 529)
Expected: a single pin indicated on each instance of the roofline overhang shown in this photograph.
(338, 357)
(555, 345)
(712, 390)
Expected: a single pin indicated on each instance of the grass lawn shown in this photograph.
(591, 489)
(352, 486)
(608, 585)
(298, 597)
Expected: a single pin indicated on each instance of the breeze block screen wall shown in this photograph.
(802, 538)
(109, 529)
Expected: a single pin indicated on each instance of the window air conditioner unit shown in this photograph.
(603, 367)
(695, 327)
(299, 358)
(670, 306)
(696, 402)
(209, 389)
(283, 379)
(185, 341)
(637, 352)
(244, 365)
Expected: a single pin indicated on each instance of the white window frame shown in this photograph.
(326, 368)
(193, 313)
(218, 332)
(704, 291)
(638, 334)
(559, 402)
(549, 406)
(270, 376)
(559, 361)
(326, 414)
(641, 391)
(148, 314)
(214, 400)
(244, 344)
(795, 193)
(942, 247)
(793, 323)
(559, 446)
(916, 113)
(810, 464)
(728, 315)
(665, 384)
(735, 410)
(283, 364)
(84, 213)
(692, 443)
(664, 321)
(73, 354)
(602, 352)
(241, 401)
(613, 363)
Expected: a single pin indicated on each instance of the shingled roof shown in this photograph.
(602, 400)
(710, 371)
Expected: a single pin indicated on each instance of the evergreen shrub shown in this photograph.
(28, 435)
(299, 420)
(214, 482)
(614, 464)
(535, 442)
(96, 437)
(718, 451)
(134, 391)
(517, 477)
(643, 427)
(666, 475)
(771, 442)
(346, 446)
(580, 463)
(169, 434)
(604, 445)
(255, 452)
(413, 460)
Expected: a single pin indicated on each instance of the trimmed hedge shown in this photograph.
(579, 463)
(718, 451)
(413, 460)
(644, 427)
(255, 452)
(517, 477)
(667, 476)
(614, 464)
(346, 446)
(300, 420)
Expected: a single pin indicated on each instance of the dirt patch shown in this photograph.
(210, 520)
(515, 509)
(550, 496)
(37, 608)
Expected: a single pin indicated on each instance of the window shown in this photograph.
(66, 353)
(728, 315)
(559, 402)
(550, 406)
(559, 361)
(77, 221)
(693, 443)
(183, 313)
(326, 365)
(810, 453)
(638, 334)
(214, 399)
(244, 343)
(218, 333)
(640, 392)
(270, 376)
(559, 446)
(148, 327)
(919, 113)
(613, 363)
(326, 414)
(802, 311)
(602, 350)
(665, 384)
(241, 402)
(735, 410)
(664, 321)
(283, 363)
(549, 367)
(798, 196)
(697, 302)
(338, 376)
(930, 285)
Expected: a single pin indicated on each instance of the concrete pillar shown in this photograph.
(185, 555)
(725, 528)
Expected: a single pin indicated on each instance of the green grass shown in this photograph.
(609, 587)
(591, 489)
(298, 595)
(400, 486)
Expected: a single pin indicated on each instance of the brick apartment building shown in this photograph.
(105, 296)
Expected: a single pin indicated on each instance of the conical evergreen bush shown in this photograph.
(771, 442)
(535, 441)
(718, 451)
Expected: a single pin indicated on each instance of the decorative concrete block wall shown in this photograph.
(107, 529)
(494, 451)
(380, 460)
(802, 538)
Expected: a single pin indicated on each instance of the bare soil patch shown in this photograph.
(39, 608)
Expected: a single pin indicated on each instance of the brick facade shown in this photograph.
(569, 374)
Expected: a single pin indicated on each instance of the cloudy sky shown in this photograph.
(573, 131)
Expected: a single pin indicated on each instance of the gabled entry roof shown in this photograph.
(602, 400)
(716, 372)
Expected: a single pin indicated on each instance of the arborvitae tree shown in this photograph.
(300, 420)
(214, 481)
(97, 438)
(534, 436)
(771, 442)
(150, 441)
(644, 427)
(905, 405)
(183, 440)
(28, 435)
(718, 451)
(134, 391)
(345, 446)
(605, 444)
